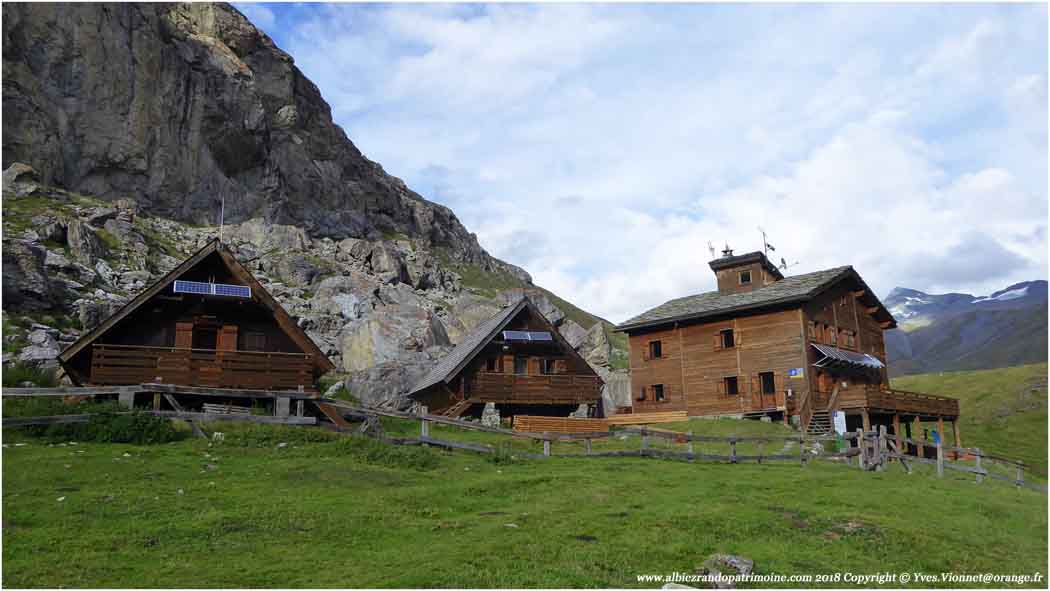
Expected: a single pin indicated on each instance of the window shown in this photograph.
(490, 364)
(730, 386)
(745, 277)
(521, 365)
(254, 341)
(658, 392)
(546, 366)
(768, 382)
(812, 330)
(656, 350)
(831, 332)
(727, 338)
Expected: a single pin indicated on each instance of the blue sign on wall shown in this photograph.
(795, 372)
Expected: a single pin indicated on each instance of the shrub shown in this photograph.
(261, 435)
(111, 427)
(386, 454)
(17, 373)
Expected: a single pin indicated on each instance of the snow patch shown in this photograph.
(1012, 294)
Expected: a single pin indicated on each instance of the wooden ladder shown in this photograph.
(457, 409)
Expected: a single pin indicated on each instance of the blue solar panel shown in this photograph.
(218, 289)
(192, 287)
(526, 335)
(236, 291)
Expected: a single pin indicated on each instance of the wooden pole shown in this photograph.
(897, 433)
(732, 446)
(980, 477)
(156, 401)
(940, 429)
(866, 418)
(1020, 473)
(940, 458)
(690, 444)
(645, 440)
(880, 463)
(546, 444)
(424, 425)
(917, 428)
(588, 443)
(958, 441)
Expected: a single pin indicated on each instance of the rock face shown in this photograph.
(128, 124)
(184, 105)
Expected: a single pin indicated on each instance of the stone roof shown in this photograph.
(797, 288)
(447, 367)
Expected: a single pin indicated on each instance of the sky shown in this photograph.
(602, 147)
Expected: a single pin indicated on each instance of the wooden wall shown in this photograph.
(693, 366)
(840, 308)
(729, 278)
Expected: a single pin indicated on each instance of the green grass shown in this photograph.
(334, 512)
(1002, 411)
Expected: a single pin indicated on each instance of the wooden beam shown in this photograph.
(886, 324)
(859, 293)
(871, 309)
(897, 431)
(917, 431)
(866, 419)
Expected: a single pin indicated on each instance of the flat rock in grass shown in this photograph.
(726, 565)
(677, 586)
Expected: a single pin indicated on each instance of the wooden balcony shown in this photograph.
(897, 402)
(130, 364)
(529, 389)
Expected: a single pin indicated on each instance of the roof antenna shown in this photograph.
(766, 246)
(711, 249)
(222, 213)
(784, 266)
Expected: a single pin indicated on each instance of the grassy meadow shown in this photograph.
(294, 507)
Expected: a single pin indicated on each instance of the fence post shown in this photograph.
(424, 425)
(940, 458)
(690, 436)
(862, 444)
(546, 444)
(588, 442)
(1020, 473)
(883, 451)
(645, 440)
(801, 451)
(732, 450)
(980, 477)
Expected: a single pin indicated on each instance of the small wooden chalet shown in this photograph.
(765, 344)
(206, 323)
(515, 359)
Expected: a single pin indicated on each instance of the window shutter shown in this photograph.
(228, 338)
(737, 338)
(184, 335)
(756, 384)
(722, 386)
(718, 341)
(641, 394)
(645, 352)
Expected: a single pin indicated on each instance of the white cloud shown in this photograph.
(602, 147)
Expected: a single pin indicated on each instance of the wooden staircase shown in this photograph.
(819, 423)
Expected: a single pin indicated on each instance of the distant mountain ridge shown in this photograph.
(958, 331)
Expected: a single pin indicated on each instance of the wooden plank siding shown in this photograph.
(693, 364)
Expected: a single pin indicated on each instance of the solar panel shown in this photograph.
(236, 291)
(526, 335)
(217, 289)
(192, 287)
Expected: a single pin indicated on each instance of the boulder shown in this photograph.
(84, 244)
(596, 348)
(21, 179)
(27, 284)
(387, 264)
(573, 333)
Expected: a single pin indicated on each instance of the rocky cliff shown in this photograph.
(127, 125)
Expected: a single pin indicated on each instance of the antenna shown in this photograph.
(784, 266)
(766, 246)
(222, 213)
(711, 249)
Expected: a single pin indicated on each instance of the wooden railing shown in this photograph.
(901, 401)
(130, 364)
(549, 389)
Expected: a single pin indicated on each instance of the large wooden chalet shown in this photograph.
(765, 344)
(517, 360)
(206, 323)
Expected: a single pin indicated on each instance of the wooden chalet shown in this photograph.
(765, 344)
(206, 323)
(515, 359)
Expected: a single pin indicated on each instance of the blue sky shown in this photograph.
(601, 147)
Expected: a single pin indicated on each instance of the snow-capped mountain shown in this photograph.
(939, 332)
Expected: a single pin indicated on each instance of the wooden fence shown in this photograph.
(874, 449)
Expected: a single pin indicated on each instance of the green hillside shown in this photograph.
(1002, 410)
